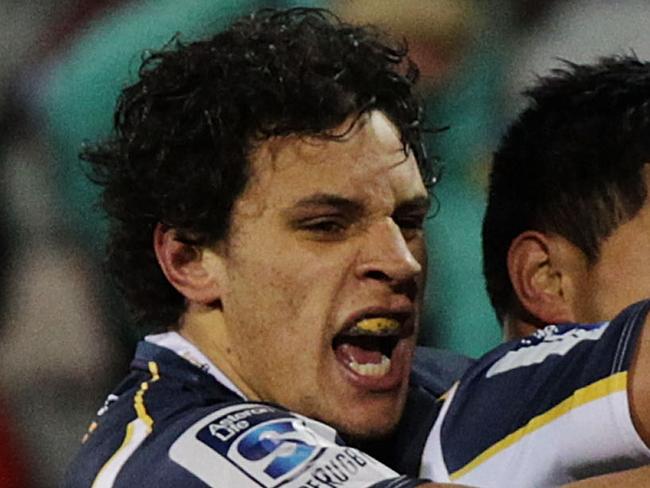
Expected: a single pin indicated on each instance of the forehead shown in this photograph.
(367, 162)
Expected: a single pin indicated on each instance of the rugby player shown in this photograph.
(566, 239)
(266, 190)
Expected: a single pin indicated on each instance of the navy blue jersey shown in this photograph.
(542, 411)
(171, 423)
(436, 370)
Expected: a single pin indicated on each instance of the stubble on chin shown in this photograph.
(362, 430)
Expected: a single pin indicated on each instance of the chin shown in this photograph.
(374, 432)
(367, 424)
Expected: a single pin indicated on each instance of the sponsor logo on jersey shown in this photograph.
(255, 440)
(259, 445)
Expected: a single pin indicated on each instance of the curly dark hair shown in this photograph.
(570, 164)
(184, 130)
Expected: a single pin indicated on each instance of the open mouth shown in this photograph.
(367, 347)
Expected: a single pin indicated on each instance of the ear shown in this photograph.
(193, 270)
(540, 276)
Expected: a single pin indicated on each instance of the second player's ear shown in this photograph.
(193, 270)
(541, 276)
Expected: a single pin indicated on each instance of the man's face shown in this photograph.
(326, 234)
(621, 276)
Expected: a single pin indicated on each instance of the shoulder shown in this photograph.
(538, 399)
(157, 430)
(592, 351)
(247, 444)
(536, 373)
(129, 437)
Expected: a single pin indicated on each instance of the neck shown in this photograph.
(206, 329)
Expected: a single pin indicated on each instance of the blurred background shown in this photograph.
(64, 336)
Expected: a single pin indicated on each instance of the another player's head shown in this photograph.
(266, 193)
(566, 234)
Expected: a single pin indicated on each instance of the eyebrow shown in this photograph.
(328, 199)
(332, 200)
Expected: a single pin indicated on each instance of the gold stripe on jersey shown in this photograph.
(136, 431)
(599, 389)
(138, 399)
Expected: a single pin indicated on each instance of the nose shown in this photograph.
(386, 255)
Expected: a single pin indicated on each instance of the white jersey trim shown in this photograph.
(589, 434)
(552, 344)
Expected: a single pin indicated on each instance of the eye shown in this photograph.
(412, 222)
(325, 227)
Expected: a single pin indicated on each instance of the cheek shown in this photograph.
(626, 286)
(285, 292)
(616, 284)
(622, 273)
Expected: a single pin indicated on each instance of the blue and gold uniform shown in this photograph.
(542, 411)
(177, 421)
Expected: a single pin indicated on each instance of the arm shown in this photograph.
(631, 478)
(442, 485)
(568, 383)
(407, 482)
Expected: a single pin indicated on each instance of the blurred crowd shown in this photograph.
(65, 336)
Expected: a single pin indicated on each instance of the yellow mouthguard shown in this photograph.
(378, 325)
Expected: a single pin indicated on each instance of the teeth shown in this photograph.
(376, 325)
(370, 369)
